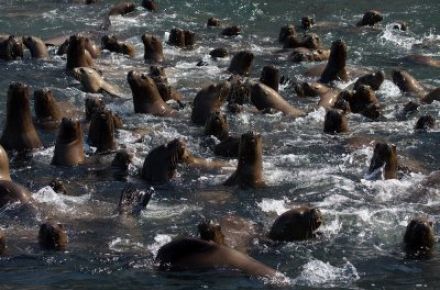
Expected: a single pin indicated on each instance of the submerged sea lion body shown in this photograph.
(370, 18)
(432, 96)
(407, 83)
(52, 236)
(241, 63)
(36, 46)
(13, 192)
(69, 149)
(47, 110)
(422, 60)
(93, 82)
(207, 101)
(335, 122)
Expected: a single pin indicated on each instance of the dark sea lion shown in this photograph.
(296, 225)
(36, 46)
(11, 192)
(374, 80)
(161, 163)
(217, 125)
(77, 54)
(424, 123)
(335, 122)
(231, 31)
(153, 50)
(133, 201)
(2, 243)
(101, 132)
(111, 43)
(92, 49)
(207, 101)
(285, 32)
(241, 63)
(210, 231)
(93, 82)
(422, 60)
(58, 186)
(52, 236)
(69, 149)
(307, 22)
(407, 83)
(10, 48)
(228, 147)
(181, 38)
(432, 96)
(150, 5)
(365, 102)
(239, 93)
(384, 154)
(370, 18)
(218, 53)
(121, 162)
(166, 91)
(335, 69)
(264, 98)
(121, 8)
(270, 76)
(146, 96)
(93, 105)
(419, 238)
(47, 110)
(310, 41)
(249, 172)
(213, 22)
(301, 54)
(191, 253)
(19, 132)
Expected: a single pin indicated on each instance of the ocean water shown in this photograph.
(364, 221)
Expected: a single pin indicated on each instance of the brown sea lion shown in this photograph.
(93, 105)
(91, 48)
(111, 43)
(422, 60)
(218, 53)
(217, 126)
(213, 22)
(150, 5)
(270, 76)
(207, 101)
(181, 38)
(231, 31)
(69, 149)
(310, 41)
(121, 8)
(249, 172)
(19, 132)
(374, 80)
(364, 101)
(52, 236)
(241, 63)
(146, 97)
(11, 192)
(166, 91)
(384, 154)
(301, 54)
(153, 50)
(133, 201)
(47, 110)
(2, 243)
(58, 186)
(335, 122)
(296, 225)
(432, 96)
(238, 232)
(370, 18)
(228, 147)
(307, 22)
(335, 69)
(36, 46)
(93, 82)
(239, 93)
(407, 83)
(285, 32)
(161, 163)
(101, 132)
(424, 123)
(210, 231)
(419, 238)
(191, 253)
(10, 48)
(264, 98)
(77, 54)
(328, 96)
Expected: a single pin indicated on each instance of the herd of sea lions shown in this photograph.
(150, 94)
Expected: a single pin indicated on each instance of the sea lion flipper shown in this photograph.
(111, 90)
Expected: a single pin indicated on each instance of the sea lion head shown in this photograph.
(424, 123)
(46, 107)
(217, 126)
(58, 186)
(177, 37)
(4, 165)
(13, 49)
(285, 32)
(338, 53)
(251, 146)
(373, 80)
(270, 76)
(365, 102)
(384, 155)
(69, 149)
(404, 80)
(335, 122)
(52, 236)
(190, 38)
(311, 41)
(101, 131)
(178, 150)
(231, 31)
(70, 131)
(122, 160)
(213, 22)
(219, 52)
(139, 80)
(108, 40)
(150, 5)
(77, 53)
(210, 231)
(93, 105)
(133, 201)
(241, 63)
(307, 22)
(419, 238)
(370, 18)
(153, 50)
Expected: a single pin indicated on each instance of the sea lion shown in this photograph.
(150, 5)
(58, 186)
(111, 43)
(153, 50)
(93, 82)
(335, 122)
(52, 236)
(69, 149)
(133, 201)
(36, 46)
(310, 41)
(93, 105)
(335, 69)
(370, 18)
(121, 162)
(241, 63)
(422, 60)
(210, 231)
(47, 110)
(146, 97)
(228, 147)
(91, 48)
(264, 98)
(11, 192)
(239, 93)
(270, 76)
(419, 238)
(374, 80)
(424, 123)
(407, 83)
(10, 48)
(192, 253)
(19, 132)
(328, 96)
(213, 22)
(2, 243)
(285, 32)
(181, 38)
(77, 54)
(161, 163)
(364, 101)
(166, 91)
(296, 225)
(101, 132)
(217, 125)
(249, 172)
(301, 54)
(207, 101)
(307, 22)
(218, 53)
(432, 96)
(384, 154)
(231, 31)
(121, 8)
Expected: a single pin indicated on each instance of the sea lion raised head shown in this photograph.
(36, 46)
(335, 122)
(241, 63)
(217, 126)
(218, 52)
(122, 8)
(150, 5)
(296, 224)
(52, 236)
(370, 18)
(122, 160)
(10, 48)
(384, 155)
(210, 231)
(111, 43)
(249, 172)
(161, 163)
(19, 132)
(285, 32)
(307, 22)
(209, 100)
(69, 149)
(335, 69)
(93, 105)
(419, 238)
(407, 83)
(4, 165)
(424, 123)
(153, 50)
(365, 102)
(231, 31)
(270, 76)
(374, 80)
(133, 201)
(166, 91)
(77, 53)
(101, 132)
(213, 22)
(47, 111)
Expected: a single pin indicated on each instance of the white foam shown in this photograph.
(273, 205)
(62, 202)
(159, 241)
(121, 245)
